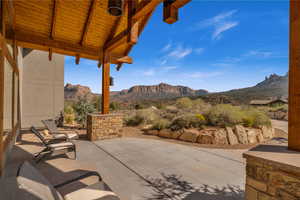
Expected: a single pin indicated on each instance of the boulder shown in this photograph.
(176, 134)
(146, 127)
(231, 137)
(220, 136)
(268, 132)
(241, 134)
(206, 138)
(165, 133)
(251, 133)
(259, 136)
(151, 132)
(189, 135)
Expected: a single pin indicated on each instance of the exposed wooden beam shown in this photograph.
(144, 8)
(88, 22)
(180, 3)
(124, 59)
(294, 77)
(132, 26)
(77, 59)
(53, 25)
(171, 8)
(170, 12)
(105, 85)
(141, 28)
(1, 90)
(53, 19)
(8, 4)
(8, 56)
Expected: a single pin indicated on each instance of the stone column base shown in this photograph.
(272, 172)
(106, 126)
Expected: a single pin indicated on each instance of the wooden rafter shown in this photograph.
(171, 10)
(53, 25)
(144, 8)
(11, 14)
(142, 25)
(88, 22)
(132, 26)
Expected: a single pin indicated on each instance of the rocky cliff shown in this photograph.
(75, 92)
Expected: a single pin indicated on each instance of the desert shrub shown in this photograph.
(255, 118)
(134, 120)
(225, 115)
(161, 124)
(82, 108)
(200, 106)
(69, 114)
(114, 105)
(145, 116)
(188, 121)
(184, 103)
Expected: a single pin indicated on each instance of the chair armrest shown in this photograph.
(88, 174)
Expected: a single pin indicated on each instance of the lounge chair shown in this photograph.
(52, 145)
(32, 185)
(51, 126)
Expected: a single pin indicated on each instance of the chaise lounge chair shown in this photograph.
(52, 145)
(32, 185)
(51, 126)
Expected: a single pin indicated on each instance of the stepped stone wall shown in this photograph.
(104, 126)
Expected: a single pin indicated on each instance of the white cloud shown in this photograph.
(179, 52)
(168, 68)
(149, 72)
(204, 74)
(220, 23)
(166, 47)
(199, 51)
(222, 28)
(256, 53)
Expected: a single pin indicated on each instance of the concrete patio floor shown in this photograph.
(144, 169)
(138, 169)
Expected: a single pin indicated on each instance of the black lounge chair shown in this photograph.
(52, 145)
(51, 126)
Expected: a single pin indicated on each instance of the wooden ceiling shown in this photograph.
(82, 28)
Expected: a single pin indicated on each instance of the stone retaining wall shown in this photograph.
(272, 179)
(104, 126)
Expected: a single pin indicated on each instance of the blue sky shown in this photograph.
(216, 46)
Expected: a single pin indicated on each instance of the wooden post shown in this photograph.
(294, 77)
(105, 84)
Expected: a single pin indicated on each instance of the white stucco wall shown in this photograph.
(42, 94)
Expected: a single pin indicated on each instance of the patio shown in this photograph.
(136, 168)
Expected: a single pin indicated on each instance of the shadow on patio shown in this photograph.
(172, 186)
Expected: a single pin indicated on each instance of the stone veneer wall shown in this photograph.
(267, 180)
(104, 126)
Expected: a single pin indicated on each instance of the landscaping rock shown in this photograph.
(176, 134)
(165, 133)
(151, 132)
(241, 134)
(146, 127)
(220, 136)
(206, 138)
(259, 136)
(268, 132)
(251, 133)
(189, 135)
(231, 137)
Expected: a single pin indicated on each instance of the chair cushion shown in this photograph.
(71, 136)
(35, 185)
(92, 192)
(50, 124)
(61, 144)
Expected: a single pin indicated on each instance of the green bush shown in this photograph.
(255, 118)
(82, 108)
(188, 121)
(161, 124)
(114, 106)
(134, 120)
(69, 114)
(184, 103)
(225, 115)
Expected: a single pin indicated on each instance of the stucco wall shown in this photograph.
(42, 95)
